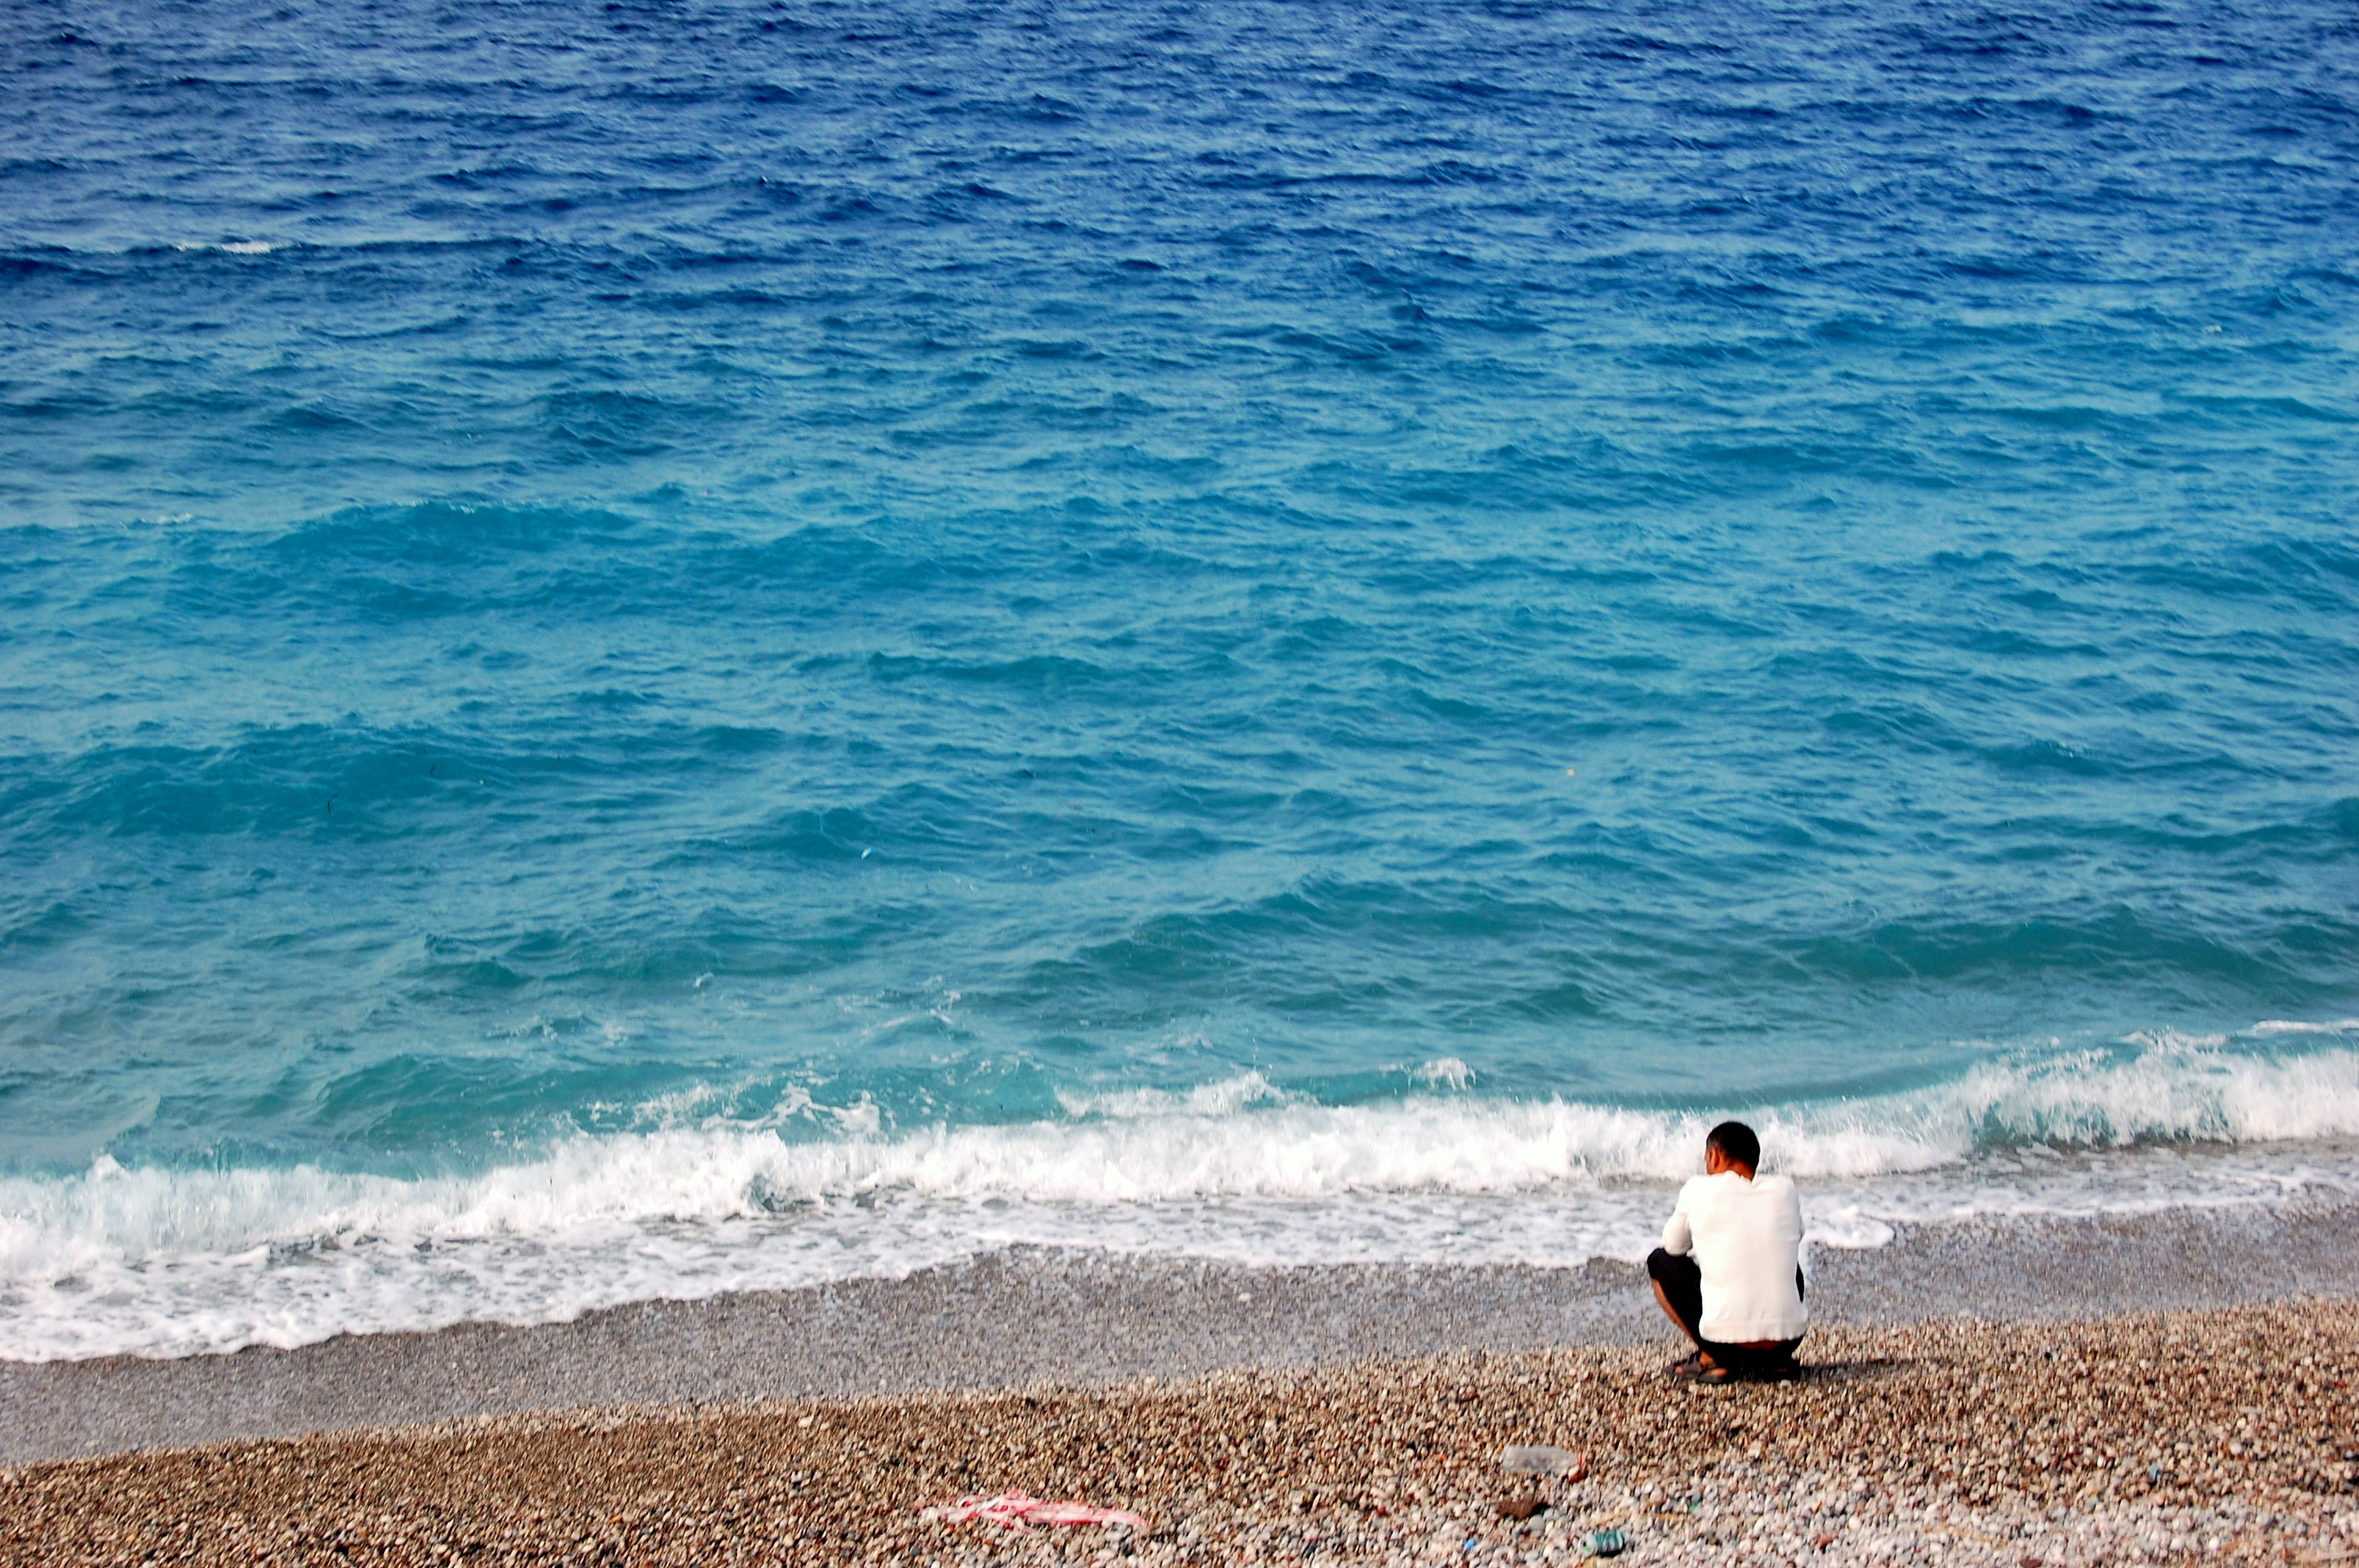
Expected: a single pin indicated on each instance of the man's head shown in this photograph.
(1732, 1146)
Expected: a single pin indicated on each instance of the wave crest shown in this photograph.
(169, 1261)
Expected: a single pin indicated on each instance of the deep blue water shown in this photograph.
(716, 609)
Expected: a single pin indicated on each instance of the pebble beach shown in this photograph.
(2225, 1436)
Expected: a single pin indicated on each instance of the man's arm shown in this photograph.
(1677, 1235)
(1801, 1247)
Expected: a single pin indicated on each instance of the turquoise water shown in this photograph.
(670, 648)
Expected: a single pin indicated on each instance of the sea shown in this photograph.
(659, 647)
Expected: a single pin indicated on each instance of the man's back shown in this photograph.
(1746, 1236)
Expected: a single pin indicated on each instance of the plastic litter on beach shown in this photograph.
(1606, 1543)
(1540, 1459)
(1019, 1510)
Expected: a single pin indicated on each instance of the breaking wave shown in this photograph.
(164, 1262)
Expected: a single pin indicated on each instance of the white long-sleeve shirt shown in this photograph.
(1746, 1236)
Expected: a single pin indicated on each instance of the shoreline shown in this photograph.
(1038, 1318)
(2193, 1436)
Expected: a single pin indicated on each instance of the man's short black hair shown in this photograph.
(1736, 1143)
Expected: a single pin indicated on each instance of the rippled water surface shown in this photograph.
(795, 639)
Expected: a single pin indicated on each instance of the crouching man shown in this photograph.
(1729, 1271)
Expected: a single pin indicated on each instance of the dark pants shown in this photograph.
(1682, 1284)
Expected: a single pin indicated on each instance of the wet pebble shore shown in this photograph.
(2215, 1436)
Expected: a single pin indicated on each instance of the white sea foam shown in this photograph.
(1445, 1072)
(168, 1262)
(1227, 1095)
